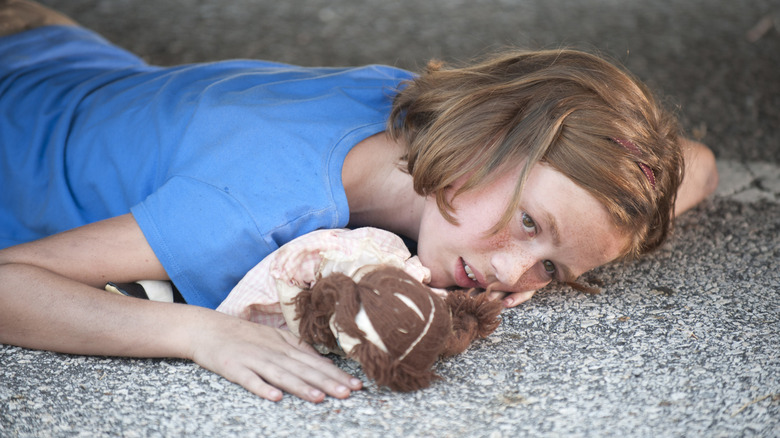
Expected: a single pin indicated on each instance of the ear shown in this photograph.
(473, 317)
(391, 373)
(314, 307)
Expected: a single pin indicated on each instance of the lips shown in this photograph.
(465, 276)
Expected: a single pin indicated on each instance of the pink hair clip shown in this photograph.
(644, 167)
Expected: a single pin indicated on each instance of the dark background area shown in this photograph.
(699, 54)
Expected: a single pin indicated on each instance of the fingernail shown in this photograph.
(508, 302)
(315, 393)
(355, 382)
(341, 389)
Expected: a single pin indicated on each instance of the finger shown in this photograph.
(274, 372)
(326, 376)
(256, 385)
(323, 364)
(303, 381)
(497, 295)
(518, 297)
(298, 343)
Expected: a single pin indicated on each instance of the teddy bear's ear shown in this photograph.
(473, 317)
(314, 308)
(389, 372)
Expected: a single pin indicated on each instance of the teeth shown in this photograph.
(469, 272)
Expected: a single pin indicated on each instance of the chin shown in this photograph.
(438, 282)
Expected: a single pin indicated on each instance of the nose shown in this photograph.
(509, 267)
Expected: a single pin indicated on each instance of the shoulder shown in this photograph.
(20, 15)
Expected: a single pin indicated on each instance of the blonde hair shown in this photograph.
(565, 108)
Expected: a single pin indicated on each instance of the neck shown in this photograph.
(379, 193)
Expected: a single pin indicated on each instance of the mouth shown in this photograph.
(465, 277)
(469, 272)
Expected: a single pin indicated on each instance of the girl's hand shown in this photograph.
(513, 299)
(266, 360)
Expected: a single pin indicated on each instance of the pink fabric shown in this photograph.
(302, 261)
(642, 166)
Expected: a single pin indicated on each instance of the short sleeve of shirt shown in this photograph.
(190, 240)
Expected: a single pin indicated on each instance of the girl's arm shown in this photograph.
(701, 175)
(50, 298)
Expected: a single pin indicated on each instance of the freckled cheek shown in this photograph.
(501, 240)
(507, 243)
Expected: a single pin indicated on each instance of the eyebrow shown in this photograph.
(553, 228)
(564, 274)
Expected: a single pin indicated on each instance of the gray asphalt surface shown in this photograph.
(685, 342)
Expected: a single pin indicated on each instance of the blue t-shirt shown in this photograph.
(219, 163)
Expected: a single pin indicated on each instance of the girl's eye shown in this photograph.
(549, 267)
(528, 224)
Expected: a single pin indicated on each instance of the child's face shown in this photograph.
(559, 232)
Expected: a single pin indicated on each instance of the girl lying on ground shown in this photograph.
(509, 173)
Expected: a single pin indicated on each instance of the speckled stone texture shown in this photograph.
(683, 343)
